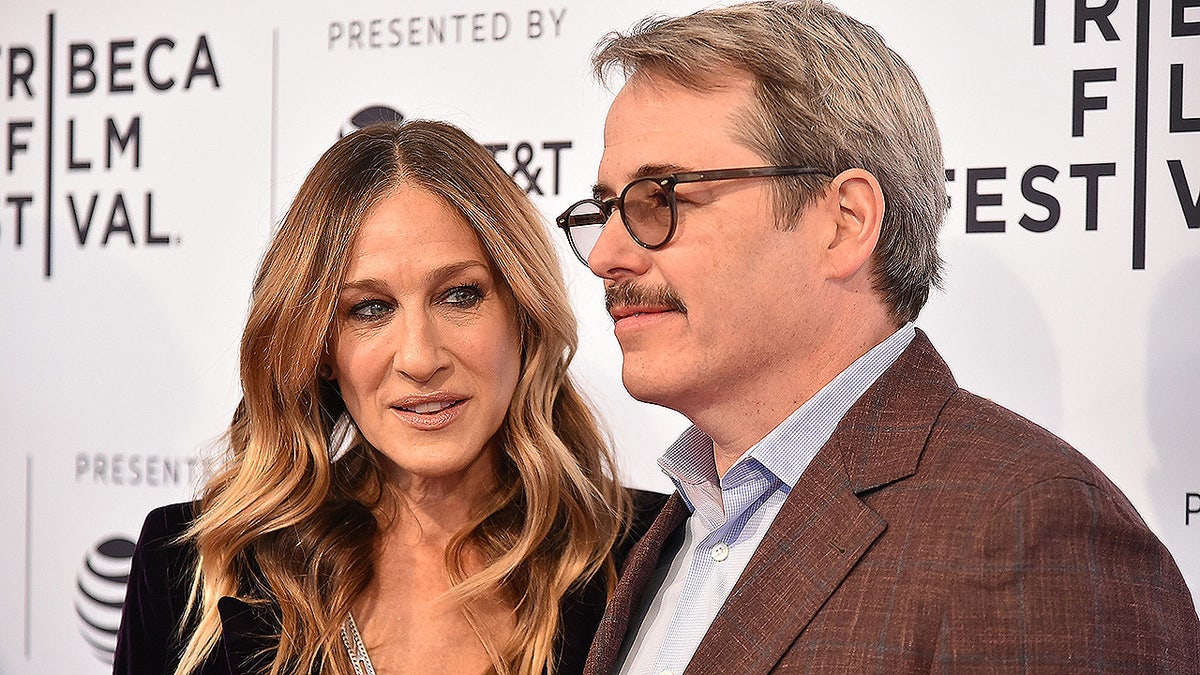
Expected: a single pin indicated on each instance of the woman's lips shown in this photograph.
(430, 415)
(430, 407)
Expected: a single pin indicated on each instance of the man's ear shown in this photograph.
(858, 215)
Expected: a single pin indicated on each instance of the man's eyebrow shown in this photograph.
(601, 191)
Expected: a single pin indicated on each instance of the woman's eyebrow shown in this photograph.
(433, 276)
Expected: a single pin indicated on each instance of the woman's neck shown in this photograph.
(408, 619)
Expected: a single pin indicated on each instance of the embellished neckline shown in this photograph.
(356, 648)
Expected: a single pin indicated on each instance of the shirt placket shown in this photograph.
(707, 578)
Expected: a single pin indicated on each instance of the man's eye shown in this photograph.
(647, 203)
(463, 296)
(369, 309)
(657, 200)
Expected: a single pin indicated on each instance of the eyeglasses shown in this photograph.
(647, 206)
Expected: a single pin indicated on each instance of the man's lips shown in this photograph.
(630, 320)
(619, 312)
(625, 300)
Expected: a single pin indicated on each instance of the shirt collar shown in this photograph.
(786, 451)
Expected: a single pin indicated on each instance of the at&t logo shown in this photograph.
(100, 594)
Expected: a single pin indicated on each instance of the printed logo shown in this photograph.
(135, 469)
(373, 114)
(100, 594)
(536, 166)
(1071, 194)
(440, 30)
(59, 150)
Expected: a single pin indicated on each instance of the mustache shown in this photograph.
(628, 293)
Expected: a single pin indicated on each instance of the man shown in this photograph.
(842, 505)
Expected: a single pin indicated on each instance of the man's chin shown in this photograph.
(650, 385)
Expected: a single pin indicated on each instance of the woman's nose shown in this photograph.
(420, 353)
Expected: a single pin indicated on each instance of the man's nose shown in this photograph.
(616, 255)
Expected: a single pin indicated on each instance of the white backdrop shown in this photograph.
(148, 150)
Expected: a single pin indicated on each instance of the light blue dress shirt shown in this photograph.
(731, 515)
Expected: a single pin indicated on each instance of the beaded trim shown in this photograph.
(355, 647)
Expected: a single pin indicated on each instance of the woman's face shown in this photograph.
(425, 346)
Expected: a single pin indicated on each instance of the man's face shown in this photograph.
(749, 295)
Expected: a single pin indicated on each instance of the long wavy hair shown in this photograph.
(281, 523)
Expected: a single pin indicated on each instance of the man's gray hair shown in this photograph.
(829, 93)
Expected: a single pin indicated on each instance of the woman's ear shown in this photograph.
(326, 372)
(857, 217)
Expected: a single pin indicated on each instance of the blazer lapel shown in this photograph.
(638, 568)
(249, 634)
(824, 528)
(813, 544)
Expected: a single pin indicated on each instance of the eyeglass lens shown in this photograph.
(585, 222)
(646, 210)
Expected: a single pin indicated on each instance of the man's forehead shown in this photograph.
(649, 97)
(658, 126)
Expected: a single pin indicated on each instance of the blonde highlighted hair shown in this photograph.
(280, 523)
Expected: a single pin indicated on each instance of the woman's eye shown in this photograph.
(463, 296)
(369, 309)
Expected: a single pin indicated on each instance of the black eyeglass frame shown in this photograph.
(667, 183)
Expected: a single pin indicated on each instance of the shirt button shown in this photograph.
(667, 672)
(720, 552)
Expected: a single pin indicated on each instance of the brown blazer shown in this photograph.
(937, 531)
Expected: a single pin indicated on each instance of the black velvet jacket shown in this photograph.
(150, 641)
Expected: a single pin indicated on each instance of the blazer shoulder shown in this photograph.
(161, 553)
(168, 523)
(993, 432)
(976, 436)
(156, 595)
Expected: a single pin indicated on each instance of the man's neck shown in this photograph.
(749, 410)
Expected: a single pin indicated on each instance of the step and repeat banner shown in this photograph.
(148, 150)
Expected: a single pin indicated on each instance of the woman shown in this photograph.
(414, 484)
